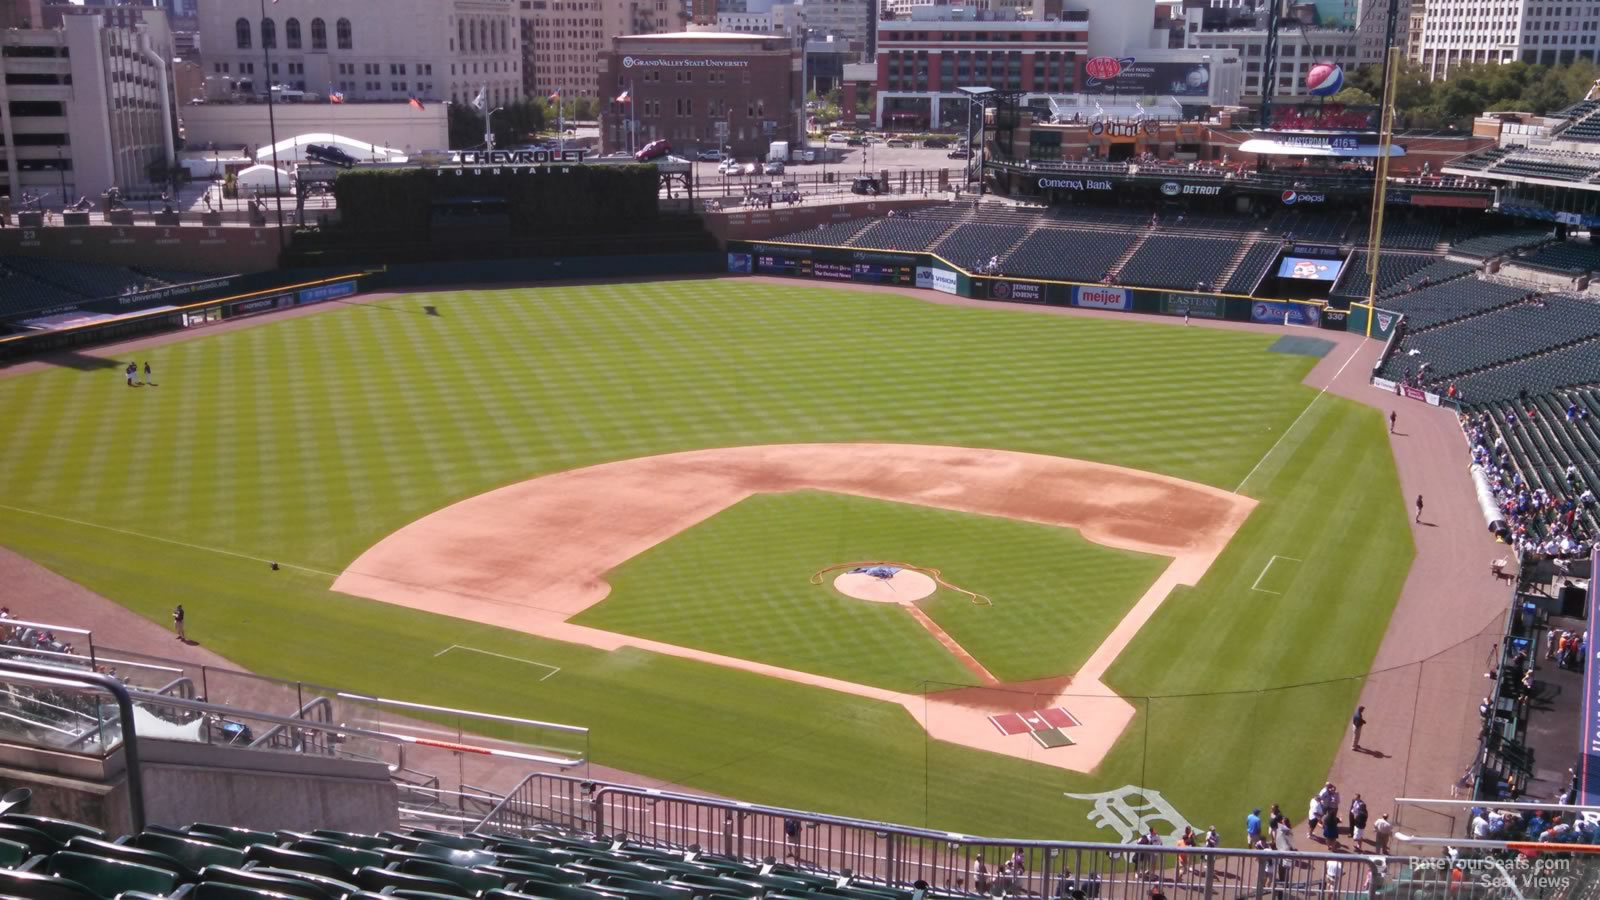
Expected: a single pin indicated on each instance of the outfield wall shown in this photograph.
(862, 265)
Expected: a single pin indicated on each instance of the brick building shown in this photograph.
(701, 89)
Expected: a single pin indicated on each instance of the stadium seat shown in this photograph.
(834, 234)
(35, 840)
(545, 891)
(277, 884)
(130, 853)
(196, 854)
(1175, 261)
(374, 879)
(348, 858)
(108, 877)
(39, 886)
(218, 890)
(361, 841)
(238, 837)
(59, 829)
(474, 881)
(13, 854)
(296, 860)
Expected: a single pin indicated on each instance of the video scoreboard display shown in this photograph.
(865, 272)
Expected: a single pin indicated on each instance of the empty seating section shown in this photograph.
(1555, 165)
(833, 234)
(20, 294)
(1564, 257)
(1483, 160)
(899, 234)
(30, 283)
(1501, 336)
(1172, 261)
(206, 862)
(1488, 246)
(1578, 364)
(1392, 269)
(1436, 272)
(1401, 235)
(1257, 260)
(1308, 228)
(1089, 215)
(972, 245)
(1067, 254)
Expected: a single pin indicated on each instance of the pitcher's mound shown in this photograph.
(902, 586)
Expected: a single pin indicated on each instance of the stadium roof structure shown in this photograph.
(1279, 147)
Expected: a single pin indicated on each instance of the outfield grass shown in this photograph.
(307, 440)
(739, 584)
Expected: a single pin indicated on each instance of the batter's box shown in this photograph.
(1051, 738)
(1034, 721)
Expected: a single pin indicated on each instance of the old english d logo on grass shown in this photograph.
(1130, 810)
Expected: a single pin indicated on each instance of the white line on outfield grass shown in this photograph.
(1298, 418)
(151, 537)
(531, 662)
(1257, 586)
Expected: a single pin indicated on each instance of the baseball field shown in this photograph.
(624, 506)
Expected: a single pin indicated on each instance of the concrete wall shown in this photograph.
(398, 125)
(186, 783)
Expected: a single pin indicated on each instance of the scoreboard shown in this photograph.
(865, 272)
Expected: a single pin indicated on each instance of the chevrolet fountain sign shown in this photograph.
(488, 158)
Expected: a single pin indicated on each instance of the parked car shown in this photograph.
(653, 150)
(773, 168)
(711, 155)
(838, 137)
(750, 168)
(897, 142)
(936, 143)
(960, 153)
(866, 185)
(853, 141)
(326, 153)
(730, 166)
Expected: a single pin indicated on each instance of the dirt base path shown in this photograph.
(532, 555)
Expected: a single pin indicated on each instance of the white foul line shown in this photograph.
(531, 662)
(1299, 417)
(151, 537)
(1275, 558)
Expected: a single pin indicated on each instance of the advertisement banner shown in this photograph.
(260, 305)
(1449, 201)
(1386, 385)
(1273, 313)
(1130, 76)
(924, 277)
(1589, 728)
(1411, 393)
(1102, 298)
(944, 281)
(1196, 306)
(739, 263)
(1016, 291)
(1076, 184)
(326, 292)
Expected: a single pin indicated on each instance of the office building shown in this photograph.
(1457, 32)
(702, 89)
(432, 50)
(567, 38)
(87, 107)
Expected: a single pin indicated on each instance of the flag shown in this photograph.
(624, 98)
(416, 103)
(336, 96)
(555, 97)
(478, 101)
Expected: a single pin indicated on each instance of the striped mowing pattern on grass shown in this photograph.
(306, 440)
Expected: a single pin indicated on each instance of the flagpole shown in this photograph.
(633, 118)
(561, 121)
(488, 135)
(272, 122)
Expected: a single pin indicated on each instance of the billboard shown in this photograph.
(924, 277)
(739, 263)
(1274, 313)
(1149, 78)
(944, 280)
(1101, 298)
(1309, 269)
(327, 292)
(1199, 306)
(1017, 291)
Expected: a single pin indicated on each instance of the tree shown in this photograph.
(1354, 96)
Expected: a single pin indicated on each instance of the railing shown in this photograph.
(297, 739)
(123, 735)
(899, 856)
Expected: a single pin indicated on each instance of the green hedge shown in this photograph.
(585, 198)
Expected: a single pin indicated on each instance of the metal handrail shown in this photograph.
(323, 705)
(58, 677)
(492, 717)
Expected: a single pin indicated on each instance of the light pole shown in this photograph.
(488, 131)
(272, 122)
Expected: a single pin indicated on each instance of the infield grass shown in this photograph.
(307, 440)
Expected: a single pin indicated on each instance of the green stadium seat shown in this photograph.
(130, 853)
(474, 881)
(350, 839)
(218, 890)
(454, 841)
(375, 879)
(538, 854)
(553, 874)
(35, 840)
(596, 869)
(297, 861)
(533, 890)
(39, 886)
(196, 854)
(60, 829)
(250, 878)
(108, 877)
(417, 895)
(13, 853)
(392, 855)
(352, 858)
(655, 888)
(722, 884)
(335, 887)
(238, 837)
(452, 855)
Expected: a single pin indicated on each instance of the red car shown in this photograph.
(653, 150)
